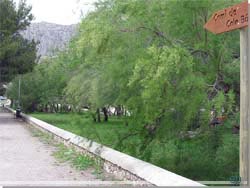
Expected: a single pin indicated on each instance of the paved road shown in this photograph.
(25, 158)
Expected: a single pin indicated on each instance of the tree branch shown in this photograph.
(156, 31)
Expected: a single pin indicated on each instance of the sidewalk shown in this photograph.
(25, 158)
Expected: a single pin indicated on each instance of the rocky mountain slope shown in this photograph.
(52, 37)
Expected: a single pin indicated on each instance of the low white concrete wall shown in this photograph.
(138, 169)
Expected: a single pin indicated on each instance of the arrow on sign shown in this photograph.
(231, 18)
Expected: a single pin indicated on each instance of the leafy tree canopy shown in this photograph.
(17, 55)
(154, 59)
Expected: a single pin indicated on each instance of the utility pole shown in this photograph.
(19, 91)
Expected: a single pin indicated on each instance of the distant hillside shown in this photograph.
(51, 36)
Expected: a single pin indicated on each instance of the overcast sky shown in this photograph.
(60, 11)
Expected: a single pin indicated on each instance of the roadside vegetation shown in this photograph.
(17, 54)
(69, 154)
(174, 86)
(211, 155)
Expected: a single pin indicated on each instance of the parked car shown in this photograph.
(4, 101)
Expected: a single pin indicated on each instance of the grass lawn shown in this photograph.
(82, 124)
(212, 156)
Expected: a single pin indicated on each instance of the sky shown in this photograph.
(63, 12)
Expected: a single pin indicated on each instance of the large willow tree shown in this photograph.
(154, 58)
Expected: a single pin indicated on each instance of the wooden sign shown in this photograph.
(231, 18)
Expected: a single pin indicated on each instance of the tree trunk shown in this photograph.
(56, 108)
(94, 116)
(34, 106)
(118, 110)
(98, 115)
(46, 108)
(12, 102)
(105, 112)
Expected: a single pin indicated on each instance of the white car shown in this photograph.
(4, 101)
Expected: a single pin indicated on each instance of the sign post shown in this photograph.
(244, 104)
(228, 19)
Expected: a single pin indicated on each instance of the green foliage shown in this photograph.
(167, 76)
(83, 125)
(17, 55)
(42, 86)
(68, 154)
(155, 59)
(211, 155)
(79, 161)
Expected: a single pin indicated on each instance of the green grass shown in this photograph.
(83, 125)
(211, 156)
(77, 160)
(69, 154)
(45, 138)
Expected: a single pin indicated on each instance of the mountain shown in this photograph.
(52, 37)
